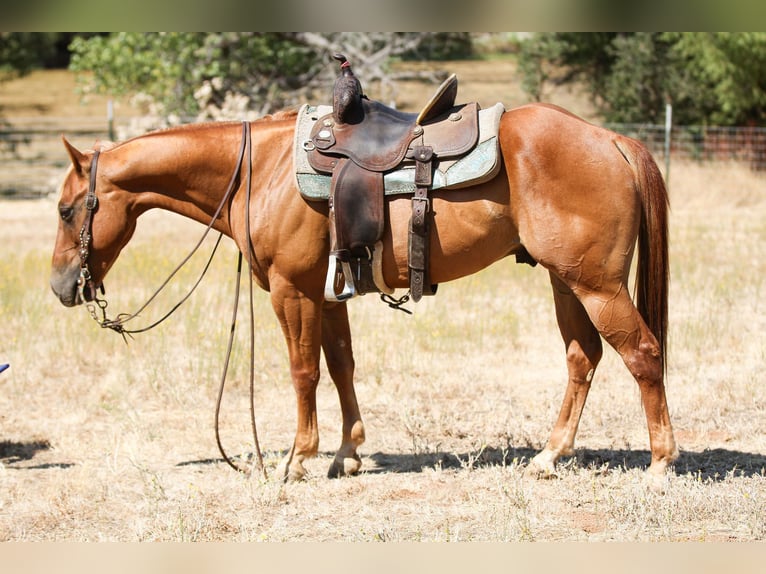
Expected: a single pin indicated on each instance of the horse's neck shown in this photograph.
(184, 170)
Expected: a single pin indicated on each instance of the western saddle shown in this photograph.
(358, 143)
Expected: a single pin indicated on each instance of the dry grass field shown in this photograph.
(102, 440)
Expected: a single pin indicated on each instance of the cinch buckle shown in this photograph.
(427, 201)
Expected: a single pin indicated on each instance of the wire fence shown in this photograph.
(703, 144)
(33, 159)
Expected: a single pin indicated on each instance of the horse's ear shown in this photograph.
(79, 159)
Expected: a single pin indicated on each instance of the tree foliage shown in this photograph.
(21, 52)
(731, 68)
(199, 74)
(172, 68)
(710, 78)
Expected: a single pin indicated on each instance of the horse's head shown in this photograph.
(91, 233)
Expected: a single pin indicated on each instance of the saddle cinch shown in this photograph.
(358, 143)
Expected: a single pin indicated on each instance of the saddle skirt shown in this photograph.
(481, 164)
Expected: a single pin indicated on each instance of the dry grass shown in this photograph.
(105, 441)
(52, 94)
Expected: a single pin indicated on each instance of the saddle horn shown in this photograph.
(347, 94)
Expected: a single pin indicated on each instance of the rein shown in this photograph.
(117, 324)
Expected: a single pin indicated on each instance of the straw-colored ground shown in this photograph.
(100, 440)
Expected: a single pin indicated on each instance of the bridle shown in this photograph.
(85, 280)
(117, 324)
(91, 203)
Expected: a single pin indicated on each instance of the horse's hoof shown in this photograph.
(657, 476)
(346, 466)
(291, 471)
(540, 469)
(294, 476)
(657, 482)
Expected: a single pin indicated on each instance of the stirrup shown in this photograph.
(348, 283)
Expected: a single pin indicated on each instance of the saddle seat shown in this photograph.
(358, 143)
(382, 137)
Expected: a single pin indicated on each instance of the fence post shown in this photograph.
(668, 129)
(110, 118)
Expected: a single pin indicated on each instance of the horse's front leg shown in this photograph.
(300, 318)
(336, 344)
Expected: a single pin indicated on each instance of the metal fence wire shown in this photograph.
(33, 159)
(702, 144)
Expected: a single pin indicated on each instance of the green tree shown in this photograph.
(561, 58)
(21, 52)
(728, 70)
(710, 78)
(189, 73)
(170, 68)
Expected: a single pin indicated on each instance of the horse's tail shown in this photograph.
(653, 270)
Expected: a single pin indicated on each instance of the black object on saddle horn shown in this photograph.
(347, 95)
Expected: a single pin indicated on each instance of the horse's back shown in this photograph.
(555, 132)
(545, 146)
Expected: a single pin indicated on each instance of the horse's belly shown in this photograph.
(466, 236)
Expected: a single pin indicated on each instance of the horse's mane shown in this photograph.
(284, 114)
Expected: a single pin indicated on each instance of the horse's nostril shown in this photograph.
(67, 299)
(64, 285)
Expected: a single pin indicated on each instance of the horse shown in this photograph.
(573, 197)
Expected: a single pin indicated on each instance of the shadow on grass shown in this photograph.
(243, 458)
(709, 464)
(11, 452)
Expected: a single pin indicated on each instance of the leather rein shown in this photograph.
(117, 324)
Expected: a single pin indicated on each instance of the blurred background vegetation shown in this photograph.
(710, 78)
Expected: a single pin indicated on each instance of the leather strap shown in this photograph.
(419, 225)
(85, 280)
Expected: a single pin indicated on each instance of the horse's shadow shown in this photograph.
(709, 464)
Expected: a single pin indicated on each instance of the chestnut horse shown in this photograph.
(576, 197)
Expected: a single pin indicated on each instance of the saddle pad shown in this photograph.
(481, 164)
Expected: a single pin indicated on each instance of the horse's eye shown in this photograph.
(66, 213)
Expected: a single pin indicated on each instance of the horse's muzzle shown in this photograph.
(64, 285)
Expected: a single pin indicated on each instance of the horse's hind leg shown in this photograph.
(336, 344)
(619, 322)
(583, 353)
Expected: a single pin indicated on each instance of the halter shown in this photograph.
(117, 324)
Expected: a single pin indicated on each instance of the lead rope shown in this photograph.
(250, 253)
(259, 456)
(118, 323)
